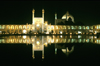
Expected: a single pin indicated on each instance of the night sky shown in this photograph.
(20, 12)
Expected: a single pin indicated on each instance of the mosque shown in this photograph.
(40, 26)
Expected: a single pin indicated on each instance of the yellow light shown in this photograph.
(56, 40)
(24, 36)
(46, 24)
(52, 27)
(60, 32)
(37, 25)
(34, 33)
(70, 36)
(52, 40)
(95, 41)
(61, 36)
(24, 31)
(45, 44)
(38, 42)
(94, 33)
(32, 27)
(70, 33)
(47, 32)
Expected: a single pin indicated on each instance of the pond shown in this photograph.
(49, 50)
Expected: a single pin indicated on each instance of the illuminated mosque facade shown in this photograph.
(40, 26)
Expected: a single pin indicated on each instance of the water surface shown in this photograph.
(44, 50)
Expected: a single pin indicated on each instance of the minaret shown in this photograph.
(43, 15)
(43, 20)
(33, 11)
(55, 17)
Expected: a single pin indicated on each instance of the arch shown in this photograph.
(3, 26)
(16, 27)
(24, 27)
(20, 27)
(8, 26)
(12, 26)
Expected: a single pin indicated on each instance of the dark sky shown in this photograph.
(20, 12)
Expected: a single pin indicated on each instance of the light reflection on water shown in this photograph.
(39, 42)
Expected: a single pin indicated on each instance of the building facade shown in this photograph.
(40, 26)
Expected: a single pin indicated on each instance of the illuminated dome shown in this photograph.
(64, 16)
(67, 16)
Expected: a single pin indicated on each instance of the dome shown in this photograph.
(67, 16)
(64, 17)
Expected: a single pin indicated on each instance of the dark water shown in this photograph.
(15, 54)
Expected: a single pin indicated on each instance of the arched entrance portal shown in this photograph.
(38, 27)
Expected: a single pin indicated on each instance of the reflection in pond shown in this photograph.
(39, 42)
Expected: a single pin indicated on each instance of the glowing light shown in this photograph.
(61, 36)
(95, 41)
(60, 32)
(52, 27)
(56, 40)
(34, 33)
(64, 50)
(24, 31)
(70, 33)
(46, 24)
(56, 27)
(47, 32)
(24, 36)
(95, 36)
(32, 27)
(79, 36)
(37, 25)
(45, 44)
(66, 33)
(38, 42)
(70, 36)
(55, 50)
(95, 32)
(79, 32)
(52, 40)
